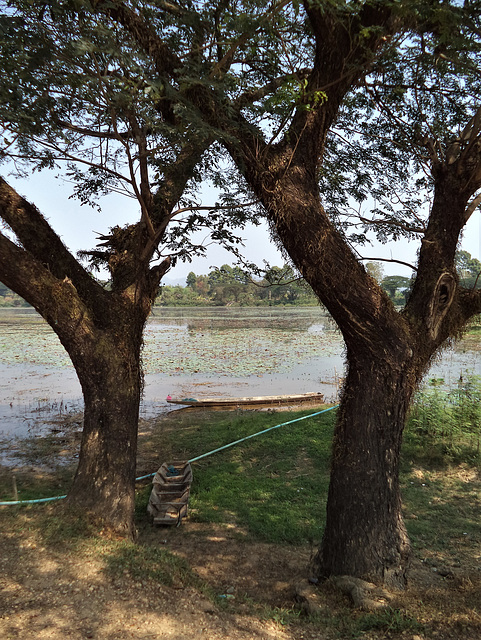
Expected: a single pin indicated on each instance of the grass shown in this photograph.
(445, 426)
(387, 621)
(36, 483)
(148, 562)
(273, 486)
(273, 489)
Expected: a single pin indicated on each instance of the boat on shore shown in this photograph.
(294, 399)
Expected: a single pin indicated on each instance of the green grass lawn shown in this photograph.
(273, 489)
(274, 486)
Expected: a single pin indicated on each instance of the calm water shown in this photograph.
(188, 352)
(211, 351)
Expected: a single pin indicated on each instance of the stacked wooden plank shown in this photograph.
(169, 499)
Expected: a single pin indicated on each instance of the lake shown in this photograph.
(213, 351)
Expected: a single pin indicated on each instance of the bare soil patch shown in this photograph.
(64, 589)
(67, 592)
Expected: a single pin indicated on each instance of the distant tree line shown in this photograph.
(10, 299)
(232, 286)
(398, 288)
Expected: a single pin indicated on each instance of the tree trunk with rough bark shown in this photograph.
(110, 375)
(101, 331)
(365, 534)
(388, 353)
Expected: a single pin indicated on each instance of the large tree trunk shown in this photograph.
(101, 331)
(365, 535)
(110, 376)
(104, 344)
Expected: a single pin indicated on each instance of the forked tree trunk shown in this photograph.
(365, 534)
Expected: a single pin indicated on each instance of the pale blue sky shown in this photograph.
(78, 226)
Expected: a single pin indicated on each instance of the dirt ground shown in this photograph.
(54, 594)
(47, 594)
(60, 592)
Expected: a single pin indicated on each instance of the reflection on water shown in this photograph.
(209, 318)
(214, 351)
(188, 351)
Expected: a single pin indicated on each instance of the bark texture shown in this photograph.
(365, 534)
(109, 371)
(101, 331)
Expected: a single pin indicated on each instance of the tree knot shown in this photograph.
(440, 303)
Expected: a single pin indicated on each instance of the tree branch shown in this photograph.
(56, 299)
(472, 206)
(406, 264)
(165, 61)
(41, 242)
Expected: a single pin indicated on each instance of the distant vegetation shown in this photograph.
(232, 286)
(10, 299)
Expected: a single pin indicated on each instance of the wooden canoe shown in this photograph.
(169, 498)
(298, 398)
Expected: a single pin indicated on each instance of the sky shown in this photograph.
(79, 225)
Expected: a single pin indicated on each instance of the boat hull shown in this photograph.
(299, 398)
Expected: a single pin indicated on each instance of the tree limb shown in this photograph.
(472, 206)
(165, 61)
(35, 282)
(41, 242)
(405, 264)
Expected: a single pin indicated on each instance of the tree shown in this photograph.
(320, 106)
(282, 284)
(375, 270)
(77, 92)
(359, 62)
(469, 269)
(397, 83)
(393, 284)
(191, 280)
(393, 82)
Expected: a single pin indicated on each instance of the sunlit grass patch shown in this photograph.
(389, 621)
(443, 507)
(33, 483)
(445, 426)
(274, 485)
(147, 562)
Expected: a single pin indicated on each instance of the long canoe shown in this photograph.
(255, 400)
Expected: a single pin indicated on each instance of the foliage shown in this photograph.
(397, 287)
(232, 285)
(113, 118)
(9, 298)
(405, 117)
(469, 270)
(375, 269)
(447, 424)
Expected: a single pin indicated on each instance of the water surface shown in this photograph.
(189, 352)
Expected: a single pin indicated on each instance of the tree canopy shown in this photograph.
(332, 118)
